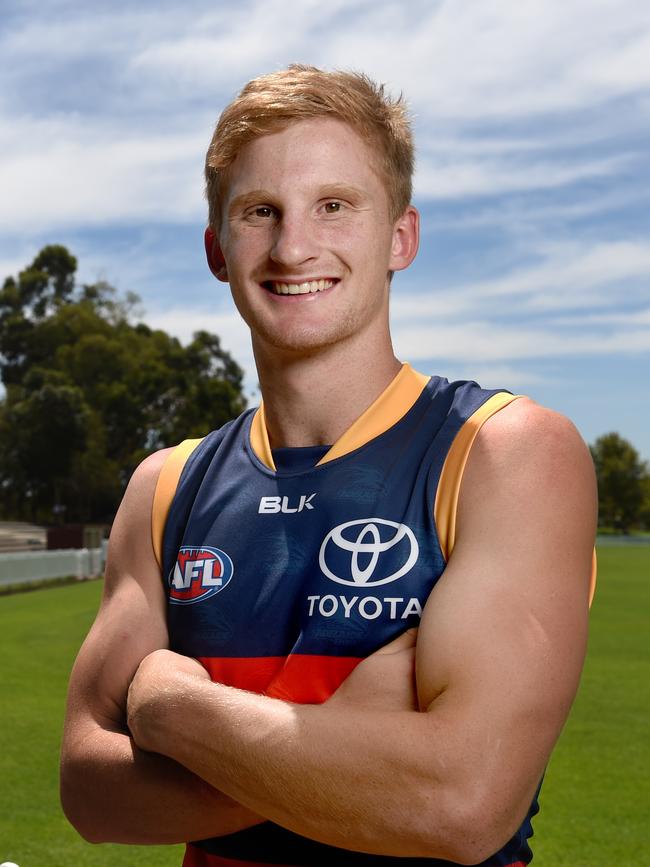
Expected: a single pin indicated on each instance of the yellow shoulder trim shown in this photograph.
(592, 579)
(451, 476)
(446, 505)
(260, 438)
(166, 486)
(391, 405)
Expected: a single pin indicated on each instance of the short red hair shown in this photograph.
(270, 103)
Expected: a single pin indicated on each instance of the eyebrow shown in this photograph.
(327, 191)
(342, 191)
(254, 197)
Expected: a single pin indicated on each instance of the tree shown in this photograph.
(90, 392)
(644, 513)
(622, 479)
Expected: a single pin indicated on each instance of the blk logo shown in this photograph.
(198, 574)
(356, 553)
(273, 505)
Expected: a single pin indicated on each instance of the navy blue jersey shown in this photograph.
(280, 579)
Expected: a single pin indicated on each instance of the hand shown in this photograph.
(161, 678)
(385, 680)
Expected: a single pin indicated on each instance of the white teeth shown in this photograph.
(300, 288)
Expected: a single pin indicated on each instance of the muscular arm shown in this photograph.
(110, 789)
(499, 653)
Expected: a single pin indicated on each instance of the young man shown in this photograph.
(296, 718)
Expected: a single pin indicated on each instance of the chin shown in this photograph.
(300, 344)
(307, 338)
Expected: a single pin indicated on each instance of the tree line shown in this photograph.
(90, 392)
(623, 484)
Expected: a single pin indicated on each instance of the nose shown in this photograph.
(294, 241)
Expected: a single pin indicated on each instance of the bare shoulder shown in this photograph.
(145, 476)
(528, 498)
(529, 451)
(142, 485)
(526, 431)
(131, 620)
(130, 541)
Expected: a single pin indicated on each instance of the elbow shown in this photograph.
(474, 841)
(79, 807)
(469, 852)
(77, 815)
(78, 818)
(470, 828)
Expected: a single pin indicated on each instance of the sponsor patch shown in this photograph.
(273, 505)
(367, 607)
(198, 574)
(368, 552)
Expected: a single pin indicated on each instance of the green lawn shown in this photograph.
(41, 633)
(594, 800)
(597, 789)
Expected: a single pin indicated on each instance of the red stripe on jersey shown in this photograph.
(311, 679)
(300, 678)
(253, 674)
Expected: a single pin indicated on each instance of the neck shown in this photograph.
(312, 399)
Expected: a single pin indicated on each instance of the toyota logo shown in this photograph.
(363, 540)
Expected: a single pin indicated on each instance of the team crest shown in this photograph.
(198, 574)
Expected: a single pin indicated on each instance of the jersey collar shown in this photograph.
(391, 405)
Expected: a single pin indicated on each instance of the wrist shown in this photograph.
(155, 693)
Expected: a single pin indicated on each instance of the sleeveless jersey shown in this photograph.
(281, 581)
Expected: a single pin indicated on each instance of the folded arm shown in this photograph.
(110, 789)
(498, 658)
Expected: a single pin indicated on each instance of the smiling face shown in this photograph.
(306, 241)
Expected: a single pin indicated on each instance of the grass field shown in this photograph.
(594, 800)
(596, 795)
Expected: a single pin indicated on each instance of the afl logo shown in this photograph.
(366, 543)
(198, 574)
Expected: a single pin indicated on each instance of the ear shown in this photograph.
(406, 239)
(216, 261)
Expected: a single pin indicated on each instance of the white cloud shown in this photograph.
(66, 172)
(463, 59)
(635, 318)
(626, 65)
(565, 274)
(489, 375)
(229, 45)
(129, 155)
(495, 58)
(521, 216)
(492, 342)
(580, 276)
(566, 277)
(453, 178)
(513, 317)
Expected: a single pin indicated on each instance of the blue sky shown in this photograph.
(532, 121)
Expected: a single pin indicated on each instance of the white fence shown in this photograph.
(21, 567)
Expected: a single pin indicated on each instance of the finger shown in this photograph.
(403, 642)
